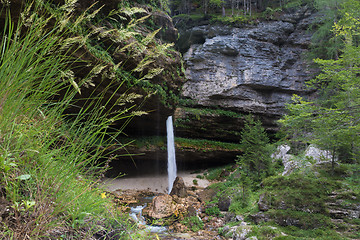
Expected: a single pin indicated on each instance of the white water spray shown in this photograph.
(171, 153)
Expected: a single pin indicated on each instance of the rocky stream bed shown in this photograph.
(187, 199)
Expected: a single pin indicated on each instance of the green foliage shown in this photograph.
(194, 223)
(332, 119)
(321, 233)
(255, 162)
(297, 192)
(265, 232)
(300, 219)
(213, 211)
(48, 159)
(215, 173)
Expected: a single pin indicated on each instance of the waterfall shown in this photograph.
(171, 153)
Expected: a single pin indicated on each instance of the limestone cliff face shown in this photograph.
(246, 69)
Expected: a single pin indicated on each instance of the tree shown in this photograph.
(255, 160)
(332, 121)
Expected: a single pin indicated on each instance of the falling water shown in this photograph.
(171, 152)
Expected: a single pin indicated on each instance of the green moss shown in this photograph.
(297, 192)
(156, 141)
(264, 232)
(293, 232)
(181, 143)
(299, 219)
(216, 111)
(206, 145)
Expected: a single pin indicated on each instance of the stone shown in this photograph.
(289, 161)
(179, 188)
(168, 32)
(252, 238)
(244, 69)
(317, 154)
(263, 202)
(240, 232)
(274, 32)
(259, 217)
(281, 152)
(191, 211)
(224, 203)
(206, 195)
(161, 207)
(231, 217)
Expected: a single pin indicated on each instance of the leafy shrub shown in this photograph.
(213, 211)
(194, 223)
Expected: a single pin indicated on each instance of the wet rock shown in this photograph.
(294, 15)
(168, 32)
(179, 188)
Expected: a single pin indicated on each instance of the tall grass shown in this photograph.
(47, 158)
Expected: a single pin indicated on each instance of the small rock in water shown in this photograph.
(179, 188)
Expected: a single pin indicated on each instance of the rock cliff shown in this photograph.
(242, 69)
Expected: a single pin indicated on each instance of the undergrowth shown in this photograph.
(49, 167)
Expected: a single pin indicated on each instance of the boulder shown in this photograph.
(207, 195)
(317, 154)
(224, 203)
(179, 188)
(161, 207)
(237, 232)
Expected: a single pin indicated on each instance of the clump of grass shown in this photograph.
(194, 223)
(48, 158)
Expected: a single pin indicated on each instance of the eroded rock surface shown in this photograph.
(248, 69)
